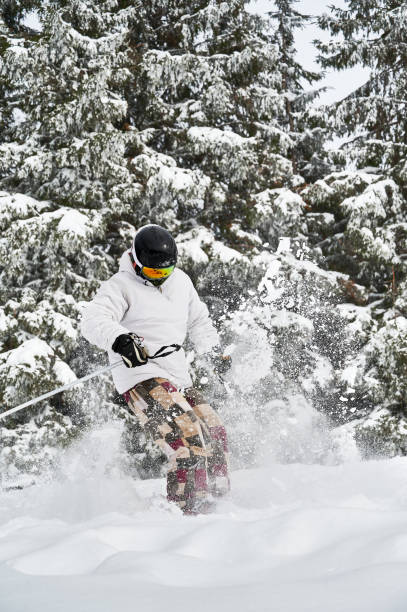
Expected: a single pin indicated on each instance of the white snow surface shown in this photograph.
(291, 538)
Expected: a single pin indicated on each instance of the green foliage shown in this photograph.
(13, 11)
(383, 434)
(121, 114)
(387, 364)
(195, 115)
(305, 126)
(373, 34)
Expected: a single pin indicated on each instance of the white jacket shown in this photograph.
(127, 303)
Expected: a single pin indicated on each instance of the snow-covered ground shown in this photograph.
(292, 538)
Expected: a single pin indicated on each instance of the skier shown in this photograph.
(143, 313)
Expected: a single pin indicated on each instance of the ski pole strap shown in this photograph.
(160, 353)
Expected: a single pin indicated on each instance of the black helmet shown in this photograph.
(154, 247)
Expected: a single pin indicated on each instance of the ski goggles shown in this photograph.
(157, 273)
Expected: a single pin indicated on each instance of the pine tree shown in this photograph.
(191, 115)
(119, 114)
(209, 90)
(370, 224)
(65, 181)
(373, 34)
(357, 219)
(304, 125)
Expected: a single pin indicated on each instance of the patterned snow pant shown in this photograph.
(192, 436)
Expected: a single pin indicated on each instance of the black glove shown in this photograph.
(130, 348)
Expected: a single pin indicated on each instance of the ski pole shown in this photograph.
(59, 390)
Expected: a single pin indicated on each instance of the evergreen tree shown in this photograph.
(369, 226)
(357, 222)
(119, 114)
(372, 34)
(304, 125)
(191, 115)
(64, 173)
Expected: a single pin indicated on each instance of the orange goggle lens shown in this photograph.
(156, 273)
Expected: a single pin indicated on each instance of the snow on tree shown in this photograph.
(371, 34)
(66, 189)
(191, 115)
(305, 125)
(117, 114)
(365, 237)
(210, 101)
(369, 233)
(290, 341)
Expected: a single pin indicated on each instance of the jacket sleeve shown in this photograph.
(101, 317)
(200, 328)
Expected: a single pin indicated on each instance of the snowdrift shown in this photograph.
(291, 538)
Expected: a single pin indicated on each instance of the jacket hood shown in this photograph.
(125, 264)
